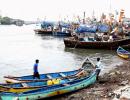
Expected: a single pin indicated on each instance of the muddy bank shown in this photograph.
(105, 87)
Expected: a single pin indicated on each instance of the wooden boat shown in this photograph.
(123, 53)
(45, 28)
(43, 77)
(19, 87)
(62, 33)
(62, 29)
(54, 90)
(72, 43)
(25, 86)
(46, 76)
(42, 31)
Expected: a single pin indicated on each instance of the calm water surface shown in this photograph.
(20, 46)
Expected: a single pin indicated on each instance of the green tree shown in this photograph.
(6, 20)
(0, 19)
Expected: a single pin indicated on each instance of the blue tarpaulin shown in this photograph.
(65, 25)
(103, 28)
(46, 24)
(86, 28)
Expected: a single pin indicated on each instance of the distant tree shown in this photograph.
(18, 22)
(6, 20)
(0, 19)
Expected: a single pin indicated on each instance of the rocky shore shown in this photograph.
(105, 88)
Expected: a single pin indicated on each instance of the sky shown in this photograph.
(60, 9)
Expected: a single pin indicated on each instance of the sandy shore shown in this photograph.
(114, 85)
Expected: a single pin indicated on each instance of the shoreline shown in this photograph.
(106, 87)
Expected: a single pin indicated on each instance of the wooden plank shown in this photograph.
(24, 84)
(63, 75)
(50, 77)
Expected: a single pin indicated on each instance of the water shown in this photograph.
(20, 46)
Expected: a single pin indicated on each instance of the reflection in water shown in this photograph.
(20, 46)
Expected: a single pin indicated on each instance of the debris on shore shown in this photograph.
(107, 86)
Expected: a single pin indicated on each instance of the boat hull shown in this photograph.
(86, 68)
(52, 91)
(123, 53)
(71, 43)
(43, 77)
(26, 86)
(17, 90)
(123, 56)
(61, 34)
(41, 31)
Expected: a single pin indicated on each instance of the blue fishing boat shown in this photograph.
(46, 28)
(121, 52)
(62, 29)
(46, 76)
(26, 86)
(54, 78)
(43, 77)
(62, 33)
(53, 90)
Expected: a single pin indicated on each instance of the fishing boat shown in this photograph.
(62, 29)
(53, 90)
(43, 31)
(25, 86)
(87, 66)
(46, 28)
(121, 52)
(43, 77)
(62, 33)
(46, 76)
(91, 44)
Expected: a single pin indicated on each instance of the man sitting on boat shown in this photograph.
(98, 36)
(118, 32)
(105, 36)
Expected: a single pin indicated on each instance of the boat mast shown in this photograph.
(84, 18)
(121, 16)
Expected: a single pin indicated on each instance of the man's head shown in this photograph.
(37, 61)
(98, 59)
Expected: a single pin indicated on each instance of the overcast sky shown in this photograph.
(59, 9)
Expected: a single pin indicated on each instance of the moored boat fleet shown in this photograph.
(108, 33)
